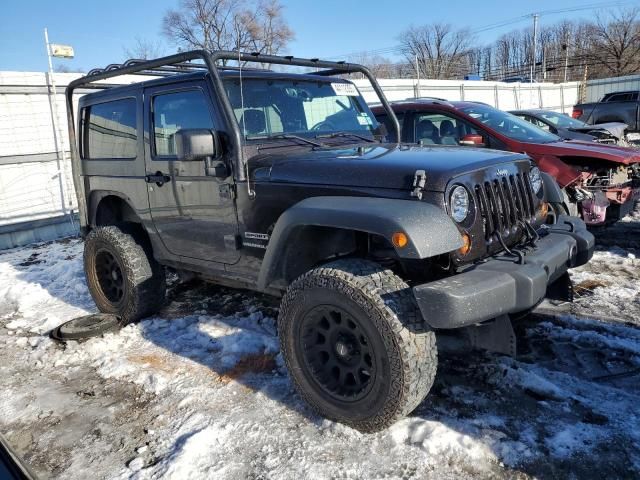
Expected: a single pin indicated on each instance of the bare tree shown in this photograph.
(439, 49)
(379, 66)
(62, 68)
(270, 34)
(144, 49)
(616, 42)
(252, 25)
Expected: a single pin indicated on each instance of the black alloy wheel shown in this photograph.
(110, 276)
(337, 353)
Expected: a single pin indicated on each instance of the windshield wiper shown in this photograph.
(346, 134)
(286, 136)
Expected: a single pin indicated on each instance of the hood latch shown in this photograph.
(419, 181)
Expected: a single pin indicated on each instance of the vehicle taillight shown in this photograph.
(577, 113)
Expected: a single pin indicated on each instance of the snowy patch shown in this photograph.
(200, 391)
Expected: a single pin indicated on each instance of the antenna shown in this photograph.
(250, 191)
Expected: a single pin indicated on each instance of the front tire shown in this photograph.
(123, 277)
(355, 344)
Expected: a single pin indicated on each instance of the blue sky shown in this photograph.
(100, 31)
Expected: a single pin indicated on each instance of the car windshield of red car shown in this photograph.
(509, 125)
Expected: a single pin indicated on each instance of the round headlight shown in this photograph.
(536, 179)
(459, 203)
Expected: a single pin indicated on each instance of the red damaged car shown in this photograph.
(601, 182)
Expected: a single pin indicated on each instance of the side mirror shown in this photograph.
(472, 140)
(194, 144)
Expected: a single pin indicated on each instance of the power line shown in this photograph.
(492, 26)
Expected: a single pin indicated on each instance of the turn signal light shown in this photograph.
(399, 240)
(544, 209)
(466, 244)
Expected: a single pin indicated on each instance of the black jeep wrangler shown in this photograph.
(283, 183)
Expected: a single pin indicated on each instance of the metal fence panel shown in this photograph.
(35, 184)
(596, 89)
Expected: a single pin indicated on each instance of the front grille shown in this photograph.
(504, 203)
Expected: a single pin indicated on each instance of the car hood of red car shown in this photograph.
(576, 148)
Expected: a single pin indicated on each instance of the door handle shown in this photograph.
(158, 178)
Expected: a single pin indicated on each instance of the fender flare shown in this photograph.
(97, 196)
(429, 229)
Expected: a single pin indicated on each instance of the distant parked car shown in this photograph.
(613, 107)
(571, 128)
(601, 182)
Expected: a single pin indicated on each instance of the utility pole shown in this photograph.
(418, 77)
(583, 86)
(565, 47)
(65, 52)
(535, 46)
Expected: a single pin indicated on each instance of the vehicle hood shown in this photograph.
(572, 134)
(614, 128)
(576, 148)
(380, 166)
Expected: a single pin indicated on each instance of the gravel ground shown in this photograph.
(199, 391)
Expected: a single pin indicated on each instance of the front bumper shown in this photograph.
(500, 285)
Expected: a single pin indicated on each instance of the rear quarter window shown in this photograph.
(109, 130)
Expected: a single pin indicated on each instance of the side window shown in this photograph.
(110, 130)
(384, 119)
(440, 129)
(620, 97)
(176, 111)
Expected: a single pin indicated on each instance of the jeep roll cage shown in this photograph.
(181, 63)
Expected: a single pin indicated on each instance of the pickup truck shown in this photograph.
(613, 107)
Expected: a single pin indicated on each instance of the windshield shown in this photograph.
(303, 108)
(561, 120)
(509, 125)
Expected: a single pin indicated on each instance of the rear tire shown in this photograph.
(123, 277)
(355, 344)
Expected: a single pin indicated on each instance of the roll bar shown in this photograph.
(179, 63)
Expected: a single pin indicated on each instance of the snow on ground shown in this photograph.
(199, 391)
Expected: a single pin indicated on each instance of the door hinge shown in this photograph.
(227, 191)
(419, 181)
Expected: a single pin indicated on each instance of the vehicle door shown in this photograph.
(620, 107)
(194, 214)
